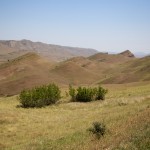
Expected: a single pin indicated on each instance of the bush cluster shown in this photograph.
(50, 94)
(87, 94)
(40, 96)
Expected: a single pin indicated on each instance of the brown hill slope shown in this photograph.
(94, 66)
(132, 71)
(30, 70)
(23, 72)
(111, 58)
(52, 52)
(70, 72)
(119, 68)
(81, 70)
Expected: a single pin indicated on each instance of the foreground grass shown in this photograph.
(125, 112)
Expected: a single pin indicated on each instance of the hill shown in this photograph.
(31, 70)
(113, 58)
(72, 73)
(103, 68)
(23, 72)
(131, 71)
(50, 51)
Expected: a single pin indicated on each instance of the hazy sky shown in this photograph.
(105, 25)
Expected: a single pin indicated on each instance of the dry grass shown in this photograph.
(125, 112)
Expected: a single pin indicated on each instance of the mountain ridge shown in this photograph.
(23, 65)
(50, 51)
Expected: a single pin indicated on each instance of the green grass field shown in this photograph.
(125, 112)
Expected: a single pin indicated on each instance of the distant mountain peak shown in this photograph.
(127, 53)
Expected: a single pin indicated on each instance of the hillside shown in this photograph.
(72, 73)
(31, 69)
(49, 51)
(112, 58)
(102, 68)
(23, 72)
(131, 71)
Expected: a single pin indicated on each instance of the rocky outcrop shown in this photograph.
(127, 53)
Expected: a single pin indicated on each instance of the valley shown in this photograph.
(125, 111)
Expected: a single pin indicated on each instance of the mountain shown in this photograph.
(7, 53)
(52, 52)
(26, 68)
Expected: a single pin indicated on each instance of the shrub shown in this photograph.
(87, 94)
(101, 92)
(72, 93)
(98, 129)
(84, 94)
(40, 96)
(53, 94)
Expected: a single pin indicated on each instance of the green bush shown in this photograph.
(87, 94)
(40, 96)
(98, 129)
(72, 93)
(101, 92)
(84, 94)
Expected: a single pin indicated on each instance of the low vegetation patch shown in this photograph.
(87, 94)
(98, 129)
(50, 94)
(40, 96)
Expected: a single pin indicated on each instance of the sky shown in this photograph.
(105, 25)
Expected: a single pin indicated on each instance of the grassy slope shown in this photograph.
(125, 112)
